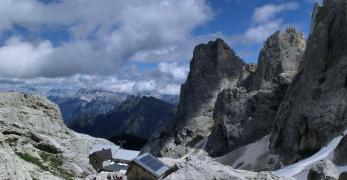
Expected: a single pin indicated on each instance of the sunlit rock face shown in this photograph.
(35, 143)
(279, 59)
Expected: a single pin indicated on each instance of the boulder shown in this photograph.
(323, 170)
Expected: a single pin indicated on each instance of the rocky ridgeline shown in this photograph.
(35, 143)
(314, 109)
(75, 104)
(136, 116)
(244, 113)
(297, 94)
(294, 95)
(230, 99)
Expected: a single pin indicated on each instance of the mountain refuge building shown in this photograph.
(146, 167)
(107, 157)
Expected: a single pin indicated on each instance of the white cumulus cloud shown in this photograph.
(23, 59)
(179, 72)
(104, 37)
(105, 34)
(265, 21)
(267, 12)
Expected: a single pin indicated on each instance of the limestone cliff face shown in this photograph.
(246, 113)
(214, 67)
(279, 59)
(241, 118)
(315, 109)
(35, 143)
(235, 100)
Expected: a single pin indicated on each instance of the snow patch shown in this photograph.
(246, 156)
(198, 152)
(253, 152)
(341, 168)
(84, 98)
(299, 168)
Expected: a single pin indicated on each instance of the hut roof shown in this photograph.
(105, 154)
(124, 154)
(152, 164)
(99, 147)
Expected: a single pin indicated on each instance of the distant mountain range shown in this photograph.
(81, 103)
(76, 104)
(115, 116)
(136, 116)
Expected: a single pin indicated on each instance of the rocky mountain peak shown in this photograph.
(279, 59)
(295, 37)
(243, 115)
(296, 93)
(216, 58)
(281, 53)
(214, 66)
(314, 108)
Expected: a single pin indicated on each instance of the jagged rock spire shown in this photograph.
(214, 66)
(315, 107)
(280, 57)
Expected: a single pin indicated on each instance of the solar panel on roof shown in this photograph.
(151, 162)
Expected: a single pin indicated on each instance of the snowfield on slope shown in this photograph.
(300, 169)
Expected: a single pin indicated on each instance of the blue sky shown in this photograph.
(128, 45)
(234, 17)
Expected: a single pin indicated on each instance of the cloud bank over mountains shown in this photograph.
(109, 44)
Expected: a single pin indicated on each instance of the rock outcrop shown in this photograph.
(35, 143)
(241, 118)
(213, 68)
(195, 169)
(279, 59)
(343, 176)
(314, 109)
(340, 153)
(246, 113)
(234, 100)
(295, 93)
(323, 170)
